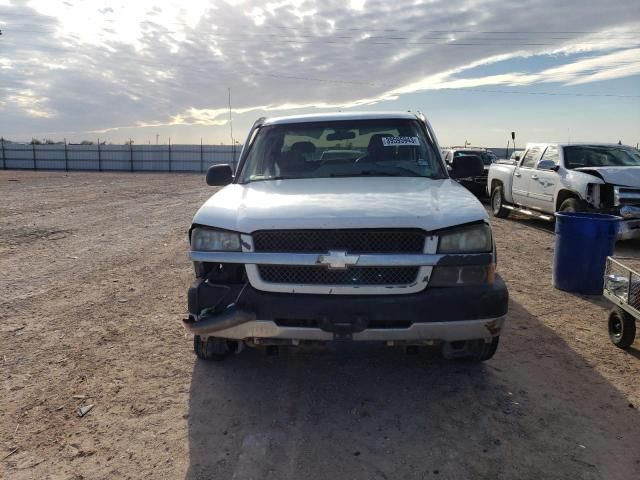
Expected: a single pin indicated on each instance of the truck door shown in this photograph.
(522, 176)
(543, 183)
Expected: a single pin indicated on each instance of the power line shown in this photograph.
(245, 73)
(339, 41)
(388, 86)
(423, 35)
(359, 29)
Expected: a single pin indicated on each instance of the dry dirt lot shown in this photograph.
(93, 276)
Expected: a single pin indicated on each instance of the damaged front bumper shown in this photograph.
(448, 314)
(629, 229)
(431, 332)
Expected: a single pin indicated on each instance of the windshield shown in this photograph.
(484, 156)
(579, 156)
(341, 149)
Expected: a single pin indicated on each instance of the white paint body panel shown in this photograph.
(335, 203)
(623, 176)
(338, 116)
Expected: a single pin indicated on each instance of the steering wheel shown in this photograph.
(363, 159)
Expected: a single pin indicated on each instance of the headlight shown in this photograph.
(209, 240)
(473, 239)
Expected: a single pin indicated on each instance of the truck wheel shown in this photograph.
(482, 350)
(572, 205)
(211, 348)
(622, 328)
(497, 203)
(470, 350)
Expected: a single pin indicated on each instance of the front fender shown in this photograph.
(503, 174)
(578, 183)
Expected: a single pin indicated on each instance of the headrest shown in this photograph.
(291, 160)
(375, 142)
(303, 147)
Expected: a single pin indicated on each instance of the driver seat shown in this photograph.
(375, 149)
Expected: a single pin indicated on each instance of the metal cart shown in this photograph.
(622, 288)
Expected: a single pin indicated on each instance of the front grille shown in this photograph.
(352, 241)
(627, 196)
(321, 275)
(480, 179)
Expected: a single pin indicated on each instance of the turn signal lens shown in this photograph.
(452, 276)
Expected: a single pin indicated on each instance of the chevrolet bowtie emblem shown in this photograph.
(337, 260)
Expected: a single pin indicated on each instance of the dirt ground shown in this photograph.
(93, 278)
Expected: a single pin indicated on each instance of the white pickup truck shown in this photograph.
(556, 177)
(309, 242)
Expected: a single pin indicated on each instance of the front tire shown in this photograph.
(471, 350)
(622, 328)
(211, 348)
(497, 203)
(483, 351)
(572, 205)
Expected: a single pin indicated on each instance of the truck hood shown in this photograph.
(327, 203)
(624, 176)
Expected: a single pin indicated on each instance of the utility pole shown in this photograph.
(230, 118)
(233, 144)
(201, 157)
(66, 156)
(99, 157)
(157, 137)
(4, 160)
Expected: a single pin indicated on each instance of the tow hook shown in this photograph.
(493, 327)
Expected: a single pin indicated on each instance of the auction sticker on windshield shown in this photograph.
(399, 141)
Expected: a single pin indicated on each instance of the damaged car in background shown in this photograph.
(344, 227)
(577, 177)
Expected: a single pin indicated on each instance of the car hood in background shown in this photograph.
(624, 176)
(354, 202)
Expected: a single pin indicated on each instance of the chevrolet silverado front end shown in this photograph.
(298, 248)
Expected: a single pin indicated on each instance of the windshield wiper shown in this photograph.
(264, 179)
(373, 173)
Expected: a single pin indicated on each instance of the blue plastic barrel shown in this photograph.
(583, 242)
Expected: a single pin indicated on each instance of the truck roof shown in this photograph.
(477, 149)
(324, 117)
(572, 144)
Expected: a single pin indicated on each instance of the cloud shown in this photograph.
(100, 66)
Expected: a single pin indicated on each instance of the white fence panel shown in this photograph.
(136, 158)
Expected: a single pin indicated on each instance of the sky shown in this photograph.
(550, 70)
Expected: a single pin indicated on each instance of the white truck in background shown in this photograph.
(557, 177)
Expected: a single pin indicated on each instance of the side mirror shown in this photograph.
(219, 175)
(467, 166)
(517, 158)
(547, 165)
